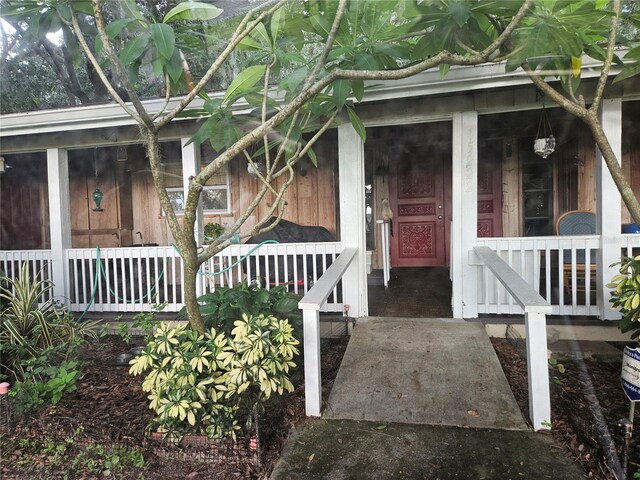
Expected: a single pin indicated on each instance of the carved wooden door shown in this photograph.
(420, 195)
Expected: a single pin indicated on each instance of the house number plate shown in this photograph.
(630, 377)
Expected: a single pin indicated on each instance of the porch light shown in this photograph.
(97, 193)
(97, 199)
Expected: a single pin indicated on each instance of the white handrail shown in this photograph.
(535, 308)
(310, 305)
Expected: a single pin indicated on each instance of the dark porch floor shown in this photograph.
(412, 292)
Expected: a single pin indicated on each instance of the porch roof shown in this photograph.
(459, 79)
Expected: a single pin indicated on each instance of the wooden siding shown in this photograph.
(311, 198)
(23, 203)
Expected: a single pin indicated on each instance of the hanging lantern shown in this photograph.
(97, 199)
(544, 144)
(97, 193)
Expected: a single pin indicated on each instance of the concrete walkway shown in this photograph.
(421, 399)
(423, 371)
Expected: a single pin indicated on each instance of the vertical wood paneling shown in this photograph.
(511, 189)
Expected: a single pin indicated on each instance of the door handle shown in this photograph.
(439, 217)
(440, 207)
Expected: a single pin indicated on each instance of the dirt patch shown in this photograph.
(587, 404)
(99, 431)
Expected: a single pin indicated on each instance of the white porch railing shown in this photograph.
(134, 279)
(631, 244)
(131, 279)
(535, 308)
(297, 265)
(311, 305)
(38, 264)
(560, 269)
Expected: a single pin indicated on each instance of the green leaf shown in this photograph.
(192, 11)
(627, 72)
(357, 87)
(164, 39)
(134, 49)
(132, 10)
(357, 124)
(340, 92)
(460, 13)
(245, 80)
(277, 24)
(114, 28)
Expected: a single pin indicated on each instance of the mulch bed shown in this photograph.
(587, 404)
(110, 410)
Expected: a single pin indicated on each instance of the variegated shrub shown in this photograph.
(197, 383)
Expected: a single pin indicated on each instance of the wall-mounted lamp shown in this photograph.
(97, 193)
(97, 199)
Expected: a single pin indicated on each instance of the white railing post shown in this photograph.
(386, 261)
(312, 375)
(59, 218)
(609, 216)
(539, 396)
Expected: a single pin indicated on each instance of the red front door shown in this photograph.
(419, 187)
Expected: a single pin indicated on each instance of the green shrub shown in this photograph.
(225, 305)
(626, 295)
(45, 385)
(200, 383)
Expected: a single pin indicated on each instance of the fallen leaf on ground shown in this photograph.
(473, 413)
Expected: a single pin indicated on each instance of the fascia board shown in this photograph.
(459, 79)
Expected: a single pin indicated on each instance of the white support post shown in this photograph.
(59, 218)
(191, 166)
(352, 218)
(609, 217)
(464, 223)
(539, 396)
(312, 374)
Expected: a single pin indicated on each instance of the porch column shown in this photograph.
(608, 213)
(59, 218)
(190, 168)
(352, 218)
(464, 222)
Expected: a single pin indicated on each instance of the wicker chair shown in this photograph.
(577, 222)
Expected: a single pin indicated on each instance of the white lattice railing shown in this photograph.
(631, 244)
(561, 269)
(297, 265)
(134, 279)
(38, 264)
(131, 279)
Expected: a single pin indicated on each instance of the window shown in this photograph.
(216, 194)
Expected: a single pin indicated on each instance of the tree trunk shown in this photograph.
(190, 293)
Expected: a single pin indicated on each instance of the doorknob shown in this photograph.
(439, 217)
(440, 207)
